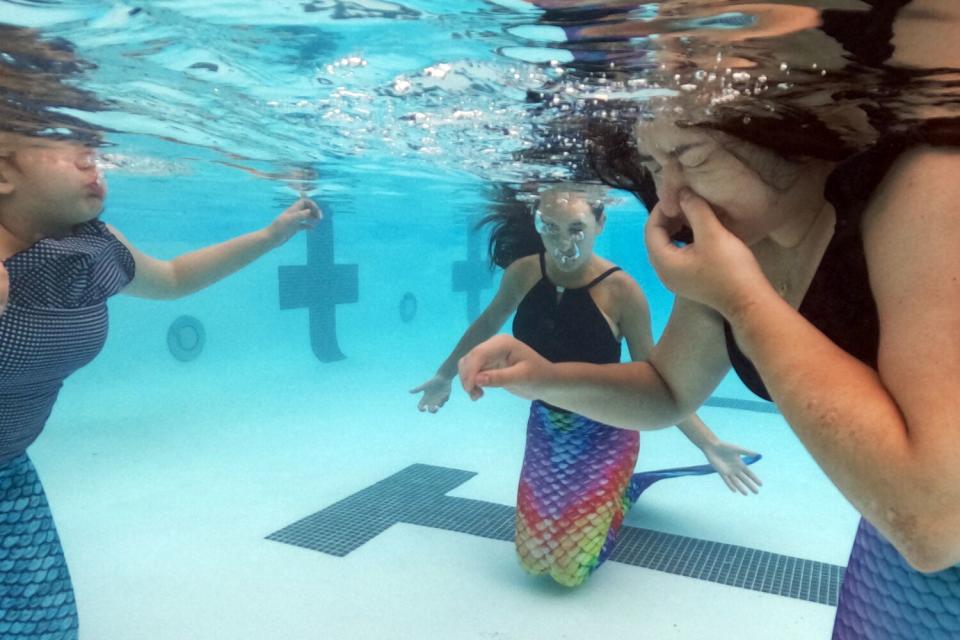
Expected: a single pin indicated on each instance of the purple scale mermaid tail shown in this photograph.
(883, 597)
(576, 486)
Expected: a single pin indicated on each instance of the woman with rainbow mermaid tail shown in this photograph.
(577, 481)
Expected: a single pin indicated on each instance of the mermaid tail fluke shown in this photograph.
(644, 479)
(576, 486)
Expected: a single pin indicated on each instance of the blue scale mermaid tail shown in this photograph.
(576, 486)
(36, 596)
(882, 597)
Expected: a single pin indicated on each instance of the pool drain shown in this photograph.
(185, 338)
(408, 307)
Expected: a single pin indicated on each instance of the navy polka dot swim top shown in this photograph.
(55, 322)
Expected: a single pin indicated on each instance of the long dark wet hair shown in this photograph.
(862, 75)
(794, 135)
(512, 231)
(38, 83)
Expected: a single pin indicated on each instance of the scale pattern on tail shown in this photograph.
(576, 486)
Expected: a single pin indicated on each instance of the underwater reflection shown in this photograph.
(861, 66)
(38, 83)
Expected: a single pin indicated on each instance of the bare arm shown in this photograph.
(190, 272)
(635, 325)
(684, 367)
(725, 457)
(889, 439)
(517, 280)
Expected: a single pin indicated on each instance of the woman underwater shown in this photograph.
(832, 288)
(60, 264)
(572, 305)
(823, 268)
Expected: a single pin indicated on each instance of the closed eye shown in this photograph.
(692, 156)
(651, 165)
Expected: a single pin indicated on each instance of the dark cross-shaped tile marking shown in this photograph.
(320, 286)
(416, 495)
(472, 275)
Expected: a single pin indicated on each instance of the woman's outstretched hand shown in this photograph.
(505, 362)
(436, 392)
(302, 215)
(717, 269)
(727, 459)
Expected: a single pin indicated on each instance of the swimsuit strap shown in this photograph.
(589, 285)
(600, 278)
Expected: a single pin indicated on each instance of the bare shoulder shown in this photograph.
(912, 220)
(124, 241)
(625, 287)
(524, 270)
(623, 297)
(116, 233)
(520, 276)
(922, 185)
(911, 231)
(624, 283)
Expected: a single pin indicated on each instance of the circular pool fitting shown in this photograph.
(185, 338)
(408, 307)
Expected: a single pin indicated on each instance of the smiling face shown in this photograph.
(569, 227)
(755, 193)
(48, 186)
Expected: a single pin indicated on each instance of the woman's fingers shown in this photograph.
(502, 361)
(728, 482)
(305, 209)
(659, 229)
(309, 213)
(312, 209)
(753, 477)
(432, 407)
(657, 233)
(499, 377)
(747, 480)
(487, 355)
(700, 215)
(468, 367)
(748, 483)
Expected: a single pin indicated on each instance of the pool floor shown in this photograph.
(167, 494)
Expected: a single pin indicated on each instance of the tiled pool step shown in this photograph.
(416, 495)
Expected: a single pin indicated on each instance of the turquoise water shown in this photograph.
(165, 476)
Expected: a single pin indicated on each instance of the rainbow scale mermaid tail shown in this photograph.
(883, 597)
(576, 486)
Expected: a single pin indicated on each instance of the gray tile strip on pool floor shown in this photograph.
(416, 495)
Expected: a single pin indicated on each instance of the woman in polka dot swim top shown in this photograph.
(58, 265)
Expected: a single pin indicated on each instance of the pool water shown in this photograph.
(167, 477)
(169, 480)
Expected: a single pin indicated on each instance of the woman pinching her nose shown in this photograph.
(830, 282)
